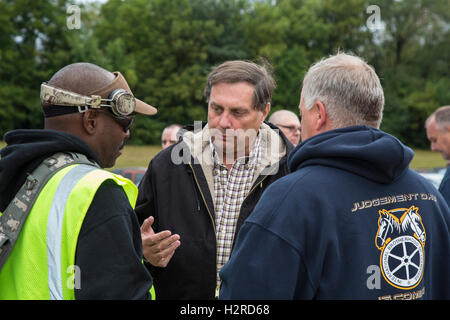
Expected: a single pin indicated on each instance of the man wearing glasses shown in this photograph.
(81, 239)
(327, 230)
(288, 122)
(169, 135)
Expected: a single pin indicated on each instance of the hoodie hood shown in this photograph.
(362, 150)
(26, 149)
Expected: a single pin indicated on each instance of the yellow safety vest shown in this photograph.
(42, 263)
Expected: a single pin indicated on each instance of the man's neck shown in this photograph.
(229, 157)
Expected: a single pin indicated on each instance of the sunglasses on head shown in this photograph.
(124, 121)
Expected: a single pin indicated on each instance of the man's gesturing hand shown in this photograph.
(158, 248)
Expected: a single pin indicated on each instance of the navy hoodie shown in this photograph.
(351, 221)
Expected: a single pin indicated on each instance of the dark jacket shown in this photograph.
(351, 221)
(444, 186)
(176, 190)
(109, 249)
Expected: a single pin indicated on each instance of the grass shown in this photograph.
(132, 156)
(140, 156)
(137, 156)
(425, 159)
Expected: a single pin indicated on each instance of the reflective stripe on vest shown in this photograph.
(54, 228)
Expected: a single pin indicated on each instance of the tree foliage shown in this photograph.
(166, 48)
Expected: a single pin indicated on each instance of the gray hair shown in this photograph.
(260, 76)
(441, 117)
(348, 87)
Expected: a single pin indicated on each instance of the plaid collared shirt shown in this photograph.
(230, 189)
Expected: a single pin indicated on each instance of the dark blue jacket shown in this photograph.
(351, 221)
(444, 187)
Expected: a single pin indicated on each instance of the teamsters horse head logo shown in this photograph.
(401, 241)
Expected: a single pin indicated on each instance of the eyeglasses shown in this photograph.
(124, 121)
(290, 128)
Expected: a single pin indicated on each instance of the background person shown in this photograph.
(438, 133)
(352, 220)
(194, 208)
(84, 215)
(169, 135)
(288, 122)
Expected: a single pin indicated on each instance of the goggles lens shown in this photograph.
(123, 103)
(123, 121)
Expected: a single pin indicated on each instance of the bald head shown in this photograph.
(441, 117)
(169, 135)
(97, 128)
(82, 78)
(282, 115)
(289, 123)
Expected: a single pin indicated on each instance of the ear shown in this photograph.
(322, 120)
(90, 122)
(266, 111)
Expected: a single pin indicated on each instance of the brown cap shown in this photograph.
(120, 83)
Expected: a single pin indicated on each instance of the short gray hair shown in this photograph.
(441, 117)
(348, 87)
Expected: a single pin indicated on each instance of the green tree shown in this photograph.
(166, 48)
(293, 34)
(35, 43)
(173, 44)
(30, 30)
(411, 56)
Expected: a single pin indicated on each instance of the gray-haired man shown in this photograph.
(351, 221)
(438, 132)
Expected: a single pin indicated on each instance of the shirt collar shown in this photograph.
(252, 159)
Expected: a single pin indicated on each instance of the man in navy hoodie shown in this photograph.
(351, 221)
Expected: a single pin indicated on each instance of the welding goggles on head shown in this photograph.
(116, 95)
(121, 102)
